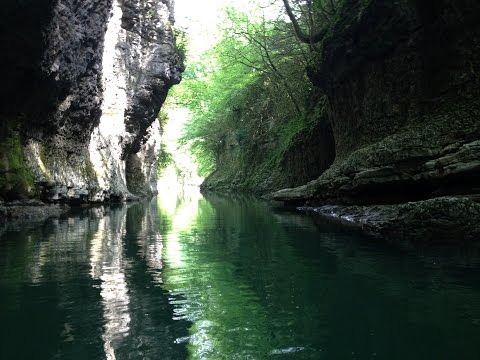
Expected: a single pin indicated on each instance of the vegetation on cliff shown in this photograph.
(380, 93)
(15, 178)
(252, 102)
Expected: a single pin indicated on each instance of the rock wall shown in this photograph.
(85, 81)
(403, 85)
(268, 149)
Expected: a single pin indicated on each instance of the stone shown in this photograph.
(438, 220)
(404, 109)
(97, 79)
(30, 212)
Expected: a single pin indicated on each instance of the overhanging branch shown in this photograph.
(301, 35)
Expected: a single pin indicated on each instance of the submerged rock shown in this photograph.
(444, 219)
(30, 211)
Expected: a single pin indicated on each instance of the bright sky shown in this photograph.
(201, 17)
(201, 20)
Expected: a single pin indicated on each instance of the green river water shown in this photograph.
(225, 277)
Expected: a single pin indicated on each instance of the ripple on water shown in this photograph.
(225, 278)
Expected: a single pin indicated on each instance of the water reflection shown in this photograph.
(87, 287)
(257, 285)
(152, 326)
(224, 277)
(108, 265)
(229, 318)
(45, 292)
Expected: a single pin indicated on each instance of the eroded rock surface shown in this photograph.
(445, 219)
(90, 87)
(403, 88)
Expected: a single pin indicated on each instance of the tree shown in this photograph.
(250, 87)
(316, 15)
(267, 45)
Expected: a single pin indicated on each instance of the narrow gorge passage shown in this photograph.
(239, 179)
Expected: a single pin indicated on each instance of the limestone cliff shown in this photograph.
(393, 119)
(402, 82)
(84, 81)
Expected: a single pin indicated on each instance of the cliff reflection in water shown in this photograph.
(87, 287)
(185, 276)
(108, 265)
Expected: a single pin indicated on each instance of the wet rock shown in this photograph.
(31, 211)
(404, 110)
(439, 220)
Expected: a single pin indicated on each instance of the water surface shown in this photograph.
(225, 277)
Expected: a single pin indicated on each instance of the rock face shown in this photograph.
(258, 156)
(84, 83)
(402, 82)
(439, 220)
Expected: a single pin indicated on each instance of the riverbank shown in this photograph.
(438, 220)
(395, 137)
(30, 210)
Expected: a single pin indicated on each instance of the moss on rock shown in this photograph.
(16, 179)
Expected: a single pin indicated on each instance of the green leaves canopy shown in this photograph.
(254, 77)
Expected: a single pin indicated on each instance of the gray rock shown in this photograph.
(30, 212)
(97, 80)
(445, 219)
(404, 109)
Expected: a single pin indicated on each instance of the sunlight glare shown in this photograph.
(201, 20)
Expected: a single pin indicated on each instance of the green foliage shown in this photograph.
(165, 158)
(15, 177)
(181, 42)
(162, 120)
(248, 90)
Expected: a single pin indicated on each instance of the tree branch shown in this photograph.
(305, 38)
